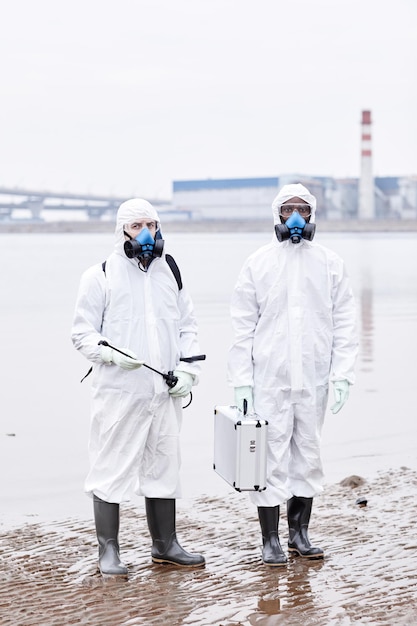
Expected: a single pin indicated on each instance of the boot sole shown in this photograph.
(275, 564)
(311, 557)
(167, 562)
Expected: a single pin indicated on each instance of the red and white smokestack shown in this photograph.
(366, 209)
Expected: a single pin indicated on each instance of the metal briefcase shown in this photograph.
(240, 448)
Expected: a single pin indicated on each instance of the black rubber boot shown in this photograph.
(160, 514)
(298, 513)
(272, 553)
(106, 516)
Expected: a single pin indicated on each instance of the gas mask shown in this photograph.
(144, 246)
(295, 228)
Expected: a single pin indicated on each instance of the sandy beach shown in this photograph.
(49, 572)
(48, 551)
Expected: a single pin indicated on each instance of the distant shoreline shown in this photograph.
(99, 226)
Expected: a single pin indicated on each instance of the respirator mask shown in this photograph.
(295, 227)
(144, 246)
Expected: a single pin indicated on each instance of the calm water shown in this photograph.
(45, 410)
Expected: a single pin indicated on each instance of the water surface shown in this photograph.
(45, 409)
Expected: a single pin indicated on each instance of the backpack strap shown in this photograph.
(172, 264)
(175, 270)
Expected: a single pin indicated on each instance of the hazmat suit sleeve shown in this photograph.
(244, 312)
(345, 341)
(88, 315)
(189, 344)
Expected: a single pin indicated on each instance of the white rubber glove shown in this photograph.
(341, 394)
(130, 362)
(244, 393)
(184, 384)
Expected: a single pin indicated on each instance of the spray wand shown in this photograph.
(169, 378)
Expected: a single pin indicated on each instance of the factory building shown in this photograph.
(337, 198)
(363, 198)
(236, 198)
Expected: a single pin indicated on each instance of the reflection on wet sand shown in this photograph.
(292, 593)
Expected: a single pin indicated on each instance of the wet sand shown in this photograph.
(49, 572)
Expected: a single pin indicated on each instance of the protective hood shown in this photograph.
(287, 192)
(130, 211)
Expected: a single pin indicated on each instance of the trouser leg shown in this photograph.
(272, 553)
(298, 514)
(161, 514)
(106, 517)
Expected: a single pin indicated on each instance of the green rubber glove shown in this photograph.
(183, 385)
(244, 393)
(341, 394)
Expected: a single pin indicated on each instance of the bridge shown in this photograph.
(15, 200)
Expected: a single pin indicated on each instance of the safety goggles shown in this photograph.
(302, 209)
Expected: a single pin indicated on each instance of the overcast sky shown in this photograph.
(124, 96)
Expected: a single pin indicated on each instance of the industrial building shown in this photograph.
(337, 199)
(363, 198)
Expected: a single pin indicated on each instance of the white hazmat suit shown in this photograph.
(293, 316)
(135, 422)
